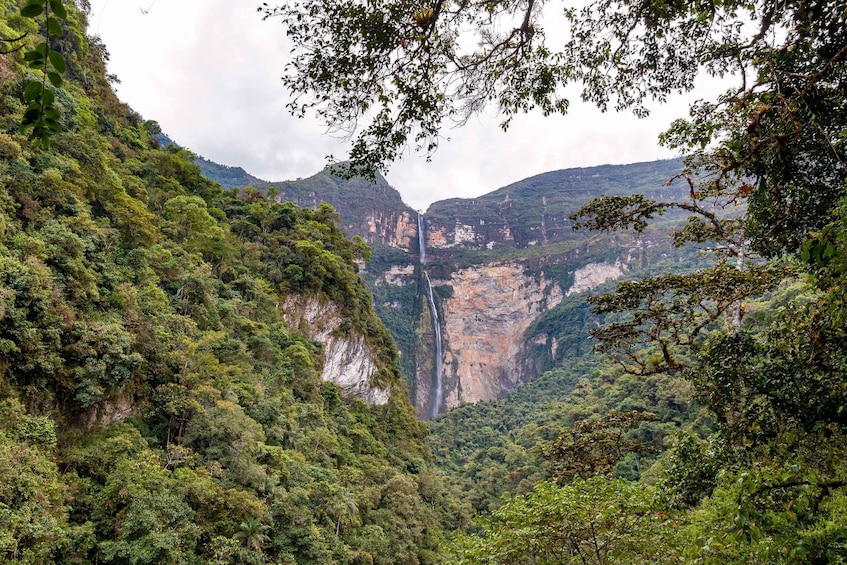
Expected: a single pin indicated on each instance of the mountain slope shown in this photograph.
(508, 272)
(187, 375)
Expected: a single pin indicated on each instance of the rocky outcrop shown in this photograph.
(397, 229)
(397, 275)
(484, 323)
(372, 210)
(349, 361)
(593, 275)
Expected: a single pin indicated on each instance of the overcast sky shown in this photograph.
(208, 71)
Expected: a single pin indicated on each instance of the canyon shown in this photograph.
(483, 294)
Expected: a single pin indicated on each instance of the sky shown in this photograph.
(209, 72)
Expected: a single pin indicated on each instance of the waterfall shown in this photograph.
(437, 396)
(421, 239)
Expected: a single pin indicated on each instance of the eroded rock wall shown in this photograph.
(349, 361)
(484, 323)
(391, 228)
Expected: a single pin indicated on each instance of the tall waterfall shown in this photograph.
(421, 239)
(437, 393)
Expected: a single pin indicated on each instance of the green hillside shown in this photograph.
(154, 405)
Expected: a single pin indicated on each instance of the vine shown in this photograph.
(41, 116)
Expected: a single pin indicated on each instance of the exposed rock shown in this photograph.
(349, 361)
(393, 228)
(104, 414)
(397, 275)
(594, 274)
(484, 323)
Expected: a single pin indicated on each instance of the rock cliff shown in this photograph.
(348, 361)
(508, 273)
(484, 323)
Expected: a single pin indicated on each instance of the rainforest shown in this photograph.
(639, 363)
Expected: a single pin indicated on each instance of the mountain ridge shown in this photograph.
(503, 266)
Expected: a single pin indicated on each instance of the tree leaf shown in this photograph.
(55, 79)
(31, 114)
(54, 27)
(32, 56)
(52, 125)
(33, 91)
(32, 10)
(58, 9)
(57, 61)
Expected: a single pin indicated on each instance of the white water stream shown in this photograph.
(421, 239)
(437, 395)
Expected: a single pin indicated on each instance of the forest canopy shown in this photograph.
(766, 178)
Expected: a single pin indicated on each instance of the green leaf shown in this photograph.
(52, 125)
(33, 91)
(58, 8)
(31, 115)
(54, 27)
(32, 10)
(54, 78)
(806, 252)
(52, 113)
(41, 49)
(33, 55)
(57, 61)
(49, 97)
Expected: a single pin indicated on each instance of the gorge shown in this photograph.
(495, 295)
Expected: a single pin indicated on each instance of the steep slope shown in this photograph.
(535, 211)
(508, 273)
(187, 375)
(514, 273)
(373, 210)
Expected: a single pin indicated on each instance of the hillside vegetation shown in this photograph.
(154, 405)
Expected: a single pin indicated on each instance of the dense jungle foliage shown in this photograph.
(154, 405)
(756, 341)
(156, 408)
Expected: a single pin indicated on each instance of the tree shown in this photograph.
(773, 148)
(594, 447)
(252, 532)
(41, 116)
(596, 521)
(398, 73)
(343, 506)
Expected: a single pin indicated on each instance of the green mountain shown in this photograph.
(187, 374)
(508, 273)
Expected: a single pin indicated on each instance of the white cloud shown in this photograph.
(208, 71)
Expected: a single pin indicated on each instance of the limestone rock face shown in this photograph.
(484, 324)
(397, 275)
(393, 228)
(349, 361)
(593, 275)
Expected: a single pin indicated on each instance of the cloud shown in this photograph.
(208, 71)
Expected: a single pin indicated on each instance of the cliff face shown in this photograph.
(535, 212)
(348, 361)
(484, 323)
(374, 211)
(508, 273)
(395, 228)
(501, 266)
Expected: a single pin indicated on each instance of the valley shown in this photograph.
(640, 363)
(490, 270)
